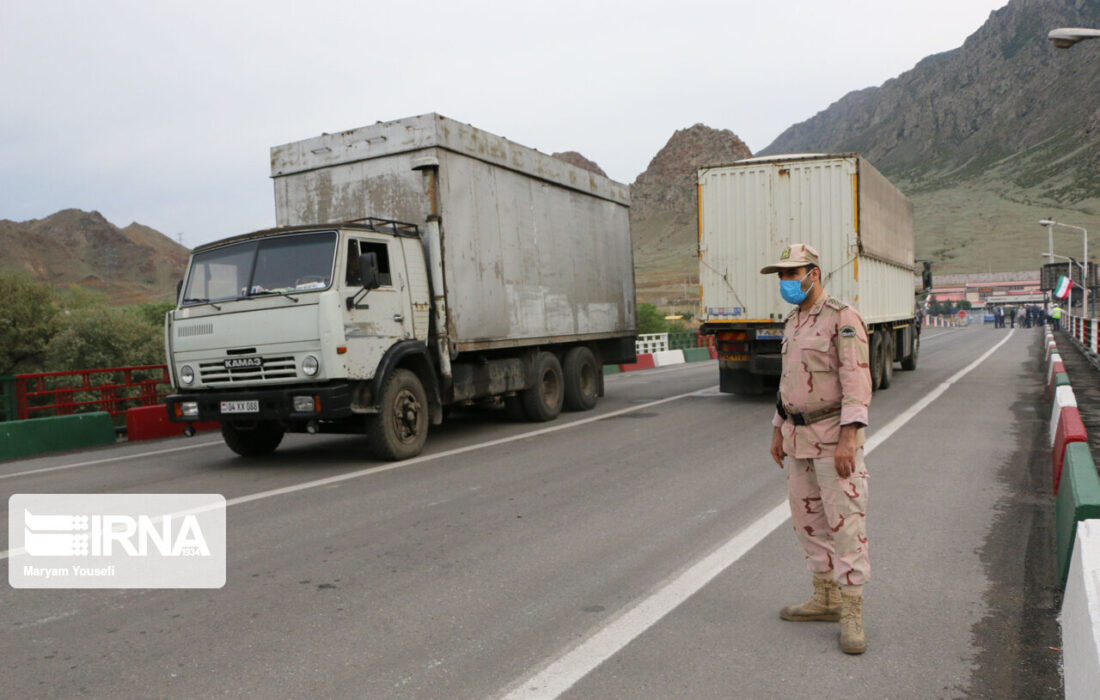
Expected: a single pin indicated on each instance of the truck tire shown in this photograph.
(909, 362)
(887, 360)
(400, 429)
(252, 440)
(582, 381)
(542, 401)
(876, 360)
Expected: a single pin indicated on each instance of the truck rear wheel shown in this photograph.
(400, 430)
(582, 381)
(252, 439)
(909, 362)
(876, 360)
(542, 401)
(887, 360)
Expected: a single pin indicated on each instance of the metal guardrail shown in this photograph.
(677, 340)
(113, 390)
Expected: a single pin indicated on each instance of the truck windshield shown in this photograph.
(278, 265)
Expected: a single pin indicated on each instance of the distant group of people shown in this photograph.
(1027, 315)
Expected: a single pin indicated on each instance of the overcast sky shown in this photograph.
(163, 112)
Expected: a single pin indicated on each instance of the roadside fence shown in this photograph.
(112, 390)
(1084, 331)
(677, 340)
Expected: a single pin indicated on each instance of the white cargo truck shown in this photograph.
(862, 227)
(418, 264)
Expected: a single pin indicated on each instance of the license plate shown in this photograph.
(769, 332)
(240, 406)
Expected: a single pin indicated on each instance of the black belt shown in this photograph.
(813, 416)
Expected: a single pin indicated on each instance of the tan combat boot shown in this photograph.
(824, 605)
(852, 639)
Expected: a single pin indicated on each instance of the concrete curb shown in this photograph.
(151, 423)
(664, 358)
(1080, 616)
(1077, 531)
(33, 436)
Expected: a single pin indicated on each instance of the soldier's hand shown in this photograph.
(777, 447)
(845, 459)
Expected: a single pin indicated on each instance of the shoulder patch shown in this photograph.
(834, 303)
(847, 332)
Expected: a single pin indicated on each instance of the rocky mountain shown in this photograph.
(130, 265)
(663, 216)
(574, 158)
(986, 139)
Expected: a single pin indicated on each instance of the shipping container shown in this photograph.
(859, 222)
(533, 248)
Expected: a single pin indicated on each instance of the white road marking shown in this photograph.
(438, 455)
(111, 459)
(563, 673)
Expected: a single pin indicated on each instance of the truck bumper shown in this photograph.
(329, 402)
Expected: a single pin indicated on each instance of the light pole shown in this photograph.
(1065, 37)
(1050, 224)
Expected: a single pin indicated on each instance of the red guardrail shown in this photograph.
(112, 390)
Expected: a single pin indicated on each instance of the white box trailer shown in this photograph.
(533, 249)
(417, 264)
(862, 227)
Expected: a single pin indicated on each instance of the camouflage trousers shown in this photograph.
(830, 517)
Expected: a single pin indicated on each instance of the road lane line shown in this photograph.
(111, 459)
(440, 455)
(563, 673)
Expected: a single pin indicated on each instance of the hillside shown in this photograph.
(130, 265)
(985, 139)
(663, 216)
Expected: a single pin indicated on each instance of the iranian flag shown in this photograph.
(1062, 289)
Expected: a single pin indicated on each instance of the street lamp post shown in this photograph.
(1050, 224)
(1065, 37)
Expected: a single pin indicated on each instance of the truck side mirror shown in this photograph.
(926, 276)
(179, 288)
(368, 270)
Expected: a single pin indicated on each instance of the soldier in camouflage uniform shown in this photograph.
(821, 413)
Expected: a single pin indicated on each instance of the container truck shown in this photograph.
(859, 222)
(417, 265)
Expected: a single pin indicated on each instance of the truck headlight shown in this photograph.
(310, 366)
(187, 375)
(189, 409)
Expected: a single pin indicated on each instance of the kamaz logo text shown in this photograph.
(244, 362)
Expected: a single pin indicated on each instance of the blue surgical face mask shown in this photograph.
(791, 290)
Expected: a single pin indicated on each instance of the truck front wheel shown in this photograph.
(909, 362)
(582, 379)
(252, 440)
(400, 429)
(542, 401)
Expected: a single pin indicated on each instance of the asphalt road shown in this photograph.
(638, 550)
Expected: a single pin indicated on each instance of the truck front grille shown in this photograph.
(272, 368)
